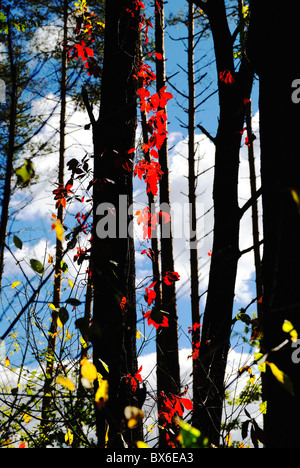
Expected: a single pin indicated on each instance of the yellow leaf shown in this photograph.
(139, 335)
(141, 444)
(83, 343)
(15, 284)
(52, 306)
(59, 230)
(101, 396)
(281, 377)
(26, 418)
(59, 324)
(276, 372)
(69, 437)
(106, 436)
(88, 370)
(263, 407)
(229, 439)
(70, 283)
(288, 327)
(68, 335)
(295, 196)
(245, 10)
(7, 362)
(65, 382)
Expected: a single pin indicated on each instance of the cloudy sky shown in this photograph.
(32, 208)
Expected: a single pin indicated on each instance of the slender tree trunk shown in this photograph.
(217, 320)
(195, 299)
(10, 152)
(113, 263)
(59, 244)
(255, 220)
(168, 371)
(279, 123)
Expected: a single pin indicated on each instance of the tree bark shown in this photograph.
(168, 369)
(46, 408)
(217, 319)
(113, 267)
(272, 55)
(195, 298)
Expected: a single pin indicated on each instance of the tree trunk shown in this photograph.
(59, 245)
(10, 152)
(195, 298)
(168, 372)
(217, 320)
(113, 267)
(279, 126)
(255, 220)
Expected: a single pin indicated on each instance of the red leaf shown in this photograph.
(150, 295)
(187, 403)
(226, 77)
(157, 319)
(138, 375)
(89, 52)
(149, 253)
(170, 277)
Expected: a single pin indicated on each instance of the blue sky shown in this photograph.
(34, 219)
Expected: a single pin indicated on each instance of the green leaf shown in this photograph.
(37, 266)
(25, 173)
(190, 437)
(244, 318)
(18, 243)
(64, 267)
(63, 315)
(263, 407)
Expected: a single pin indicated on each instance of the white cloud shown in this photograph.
(37, 201)
(179, 190)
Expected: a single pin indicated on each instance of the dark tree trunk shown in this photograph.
(113, 267)
(47, 399)
(168, 372)
(274, 58)
(215, 339)
(195, 298)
